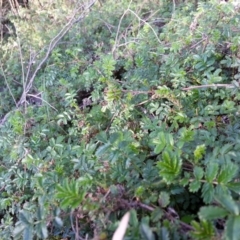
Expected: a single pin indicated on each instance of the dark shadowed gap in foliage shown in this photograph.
(83, 98)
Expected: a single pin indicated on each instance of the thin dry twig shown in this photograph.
(4, 119)
(51, 46)
(196, 44)
(116, 44)
(2, 188)
(28, 80)
(145, 206)
(75, 229)
(9, 89)
(209, 86)
(35, 96)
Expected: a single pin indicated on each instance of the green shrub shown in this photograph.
(137, 111)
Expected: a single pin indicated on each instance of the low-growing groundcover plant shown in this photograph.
(112, 109)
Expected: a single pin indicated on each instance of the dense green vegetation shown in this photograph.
(114, 107)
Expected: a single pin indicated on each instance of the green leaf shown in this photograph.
(170, 140)
(157, 214)
(225, 149)
(164, 199)
(108, 64)
(146, 232)
(186, 135)
(133, 218)
(207, 192)
(42, 230)
(159, 147)
(177, 190)
(164, 234)
(170, 166)
(232, 231)
(194, 186)
(203, 230)
(227, 173)
(102, 149)
(211, 213)
(139, 191)
(221, 190)
(198, 172)
(58, 221)
(199, 152)
(228, 203)
(160, 142)
(18, 230)
(24, 217)
(28, 233)
(211, 171)
(234, 186)
(70, 194)
(102, 137)
(185, 181)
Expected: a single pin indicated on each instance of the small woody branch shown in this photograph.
(209, 86)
